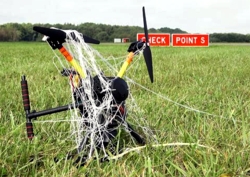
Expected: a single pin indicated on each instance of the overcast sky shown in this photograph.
(194, 16)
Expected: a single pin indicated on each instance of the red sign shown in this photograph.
(190, 40)
(156, 39)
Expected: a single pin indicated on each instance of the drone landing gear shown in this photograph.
(112, 131)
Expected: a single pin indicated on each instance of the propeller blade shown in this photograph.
(147, 51)
(60, 35)
(148, 59)
(90, 40)
(52, 33)
(145, 24)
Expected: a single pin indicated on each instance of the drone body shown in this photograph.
(99, 99)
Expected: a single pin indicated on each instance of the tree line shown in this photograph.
(101, 32)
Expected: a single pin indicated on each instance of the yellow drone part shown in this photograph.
(126, 64)
(76, 80)
(72, 61)
(77, 68)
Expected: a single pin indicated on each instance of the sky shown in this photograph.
(193, 16)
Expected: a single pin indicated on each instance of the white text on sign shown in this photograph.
(156, 39)
(190, 40)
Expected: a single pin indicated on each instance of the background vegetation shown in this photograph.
(102, 32)
(214, 80)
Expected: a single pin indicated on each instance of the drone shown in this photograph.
(118, 88)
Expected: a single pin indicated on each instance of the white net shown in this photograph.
(100, 108)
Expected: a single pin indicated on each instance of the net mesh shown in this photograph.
(98, 117)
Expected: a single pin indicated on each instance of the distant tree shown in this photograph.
(102, 36)
(152, 30)
(229, 37)
(178, 30)
(102, 32)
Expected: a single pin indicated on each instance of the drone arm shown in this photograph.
(126, 64)
(136, 136)
(72, 61)
(33, 114)
(58, 109)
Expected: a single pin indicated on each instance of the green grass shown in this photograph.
(213, 80)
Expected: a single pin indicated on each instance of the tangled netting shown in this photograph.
(101, 110)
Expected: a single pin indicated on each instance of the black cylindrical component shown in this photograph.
(52, 111)
(25, 94)
(29, 128)
(26, 105)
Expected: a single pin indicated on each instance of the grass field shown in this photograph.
(204, 98)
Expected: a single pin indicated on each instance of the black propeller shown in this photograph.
(60, 35)
(147, 52)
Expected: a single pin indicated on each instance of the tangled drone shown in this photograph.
(98, 101)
